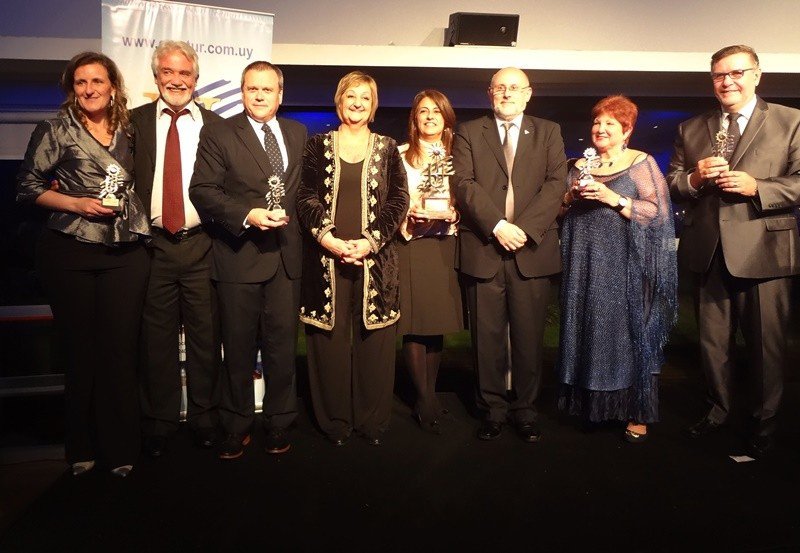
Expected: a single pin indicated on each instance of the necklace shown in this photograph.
(610, 162)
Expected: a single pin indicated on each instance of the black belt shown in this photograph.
(182, 234)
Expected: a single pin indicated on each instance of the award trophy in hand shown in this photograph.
(274, 197)
(723, 145)
(111, 184)
(592, 162)
(434, 189)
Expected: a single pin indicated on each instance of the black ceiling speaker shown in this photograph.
(482, 29)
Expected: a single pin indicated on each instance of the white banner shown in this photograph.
(225, 40)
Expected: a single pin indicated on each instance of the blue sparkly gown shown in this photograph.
(618, 298)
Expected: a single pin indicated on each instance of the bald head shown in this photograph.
(509, 93)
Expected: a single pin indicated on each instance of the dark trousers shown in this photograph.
(350, 368)
(761, 309)
(257, 315)
(508, 300)
(179, 291)
(96, 294)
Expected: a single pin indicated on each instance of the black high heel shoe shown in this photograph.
(431, 425)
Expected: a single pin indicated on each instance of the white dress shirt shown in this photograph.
(189, 132)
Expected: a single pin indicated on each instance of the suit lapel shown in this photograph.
(290, 142)
(492, 137)
(148, 128)
(712, 122)
(250, 140)
(750, 131)
(524, 144)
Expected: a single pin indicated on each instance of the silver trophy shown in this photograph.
(274, 197)
(111, 185)
(723, 145)
(592, 162)
(434, 191)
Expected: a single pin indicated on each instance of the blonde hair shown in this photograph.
(355, 78)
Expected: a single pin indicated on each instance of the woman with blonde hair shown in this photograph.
(351, 202)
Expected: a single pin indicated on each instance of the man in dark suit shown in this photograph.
(509, 180)
(241, 162)
(738, 168)
(179, 291)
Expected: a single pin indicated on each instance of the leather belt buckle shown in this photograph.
(181, 235)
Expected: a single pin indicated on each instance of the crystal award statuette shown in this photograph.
(434, 192)
(110, 188)
(274, 197)
(592, 162)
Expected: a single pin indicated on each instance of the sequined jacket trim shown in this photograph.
(384, 203)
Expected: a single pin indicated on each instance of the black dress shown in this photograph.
(430, 295)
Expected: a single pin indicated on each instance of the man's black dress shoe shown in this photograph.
(702, 428)
(490, 430)
(759, 446)
(155, 446)
(529, 432)
(277, 441)
(205, 437)
(233, 446)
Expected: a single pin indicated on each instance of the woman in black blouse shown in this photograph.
(91, 259)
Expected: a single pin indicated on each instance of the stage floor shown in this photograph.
(574, 491)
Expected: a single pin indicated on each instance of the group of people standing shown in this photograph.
(171, 215)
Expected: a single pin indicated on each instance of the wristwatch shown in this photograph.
(622, 203)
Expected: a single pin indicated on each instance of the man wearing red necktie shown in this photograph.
(179, 290)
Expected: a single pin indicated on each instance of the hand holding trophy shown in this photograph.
(433, 189)
(274, 198)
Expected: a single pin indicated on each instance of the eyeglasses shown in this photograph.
(735, 75)
(501, 90)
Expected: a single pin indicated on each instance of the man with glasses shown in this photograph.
(509, 179)
(738, 168)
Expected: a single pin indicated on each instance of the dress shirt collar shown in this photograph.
(272, 124)
(746, 112)
(194, 109)
(517, 124)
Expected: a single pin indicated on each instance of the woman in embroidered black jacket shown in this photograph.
(351, 202)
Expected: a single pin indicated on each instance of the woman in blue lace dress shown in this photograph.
(619, 287)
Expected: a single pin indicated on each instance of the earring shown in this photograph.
(624, 146)
(111, 103)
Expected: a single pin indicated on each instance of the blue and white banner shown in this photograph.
(225, 40)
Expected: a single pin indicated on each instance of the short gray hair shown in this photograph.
(170, 46)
